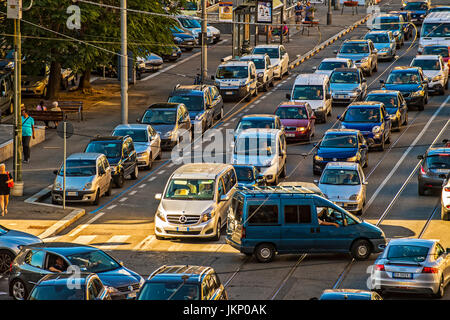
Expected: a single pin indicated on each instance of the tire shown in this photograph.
(444, 215)
(376, 67)
(120, 181)
(381, 148)
(406, 120)
(440, 292)
(361, 249)
(255, 93)
(218, 228)
(18, 290)
(248, 97)
(422, 106)
(426, 99)
(283, 172)
(109, 191)
(97, 198)
(135, 174)
(366, 164)
(388, 141)
(421, 190)
(325, 116)
(265, 252)
(446, 85)
(442, 92)
(266, 87)
(158, 157)
(277, 179)
(150, 162)
(271, 83)
(6, 258)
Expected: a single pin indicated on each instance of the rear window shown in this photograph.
(439, 161)
(262, 214)
(407, 253)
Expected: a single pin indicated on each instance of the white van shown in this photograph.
(313, 88)
(435, 30)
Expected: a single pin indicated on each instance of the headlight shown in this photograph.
(301, 129)
(422, 15)
(352, 158)
(177, 39)
(437, 78)
(112, 290)
(417, 93)
(260, 75)
(376, 129)
(206, 216)
(343, 126)
(318, 158)
(168, 134)
(354, 197)
(384, 50)
(364, 59)
(58, 185)
(160, 215)
(88, 185)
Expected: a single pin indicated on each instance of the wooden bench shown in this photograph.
(309, 24)
(69, 107)
(46, 116)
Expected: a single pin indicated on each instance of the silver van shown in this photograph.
(88, 177)
(195, 201)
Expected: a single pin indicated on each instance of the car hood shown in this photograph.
(13, 238)
(163, 128)
(402, 87)
(294, 122)
(184, 36)
(344, 87)
(31, 80)
(327, 72)
(353, 56)
(361, 126)
(75, 183)
(274, 61)
(193, 114)
(431, 73)
(188, 207)
(315, 103)
(255, 160)
(337, 152)
(339, 192)
(380, 46)
(119, 277)
(141, 146)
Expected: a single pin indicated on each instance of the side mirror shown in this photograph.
(158, 196)
(381, 81)
(314, 68)
(288, 96)
(335, 51)
(224, 197)
(55, 171)
(364, 80)
(316, 181)
(420, 157)
(212, 78)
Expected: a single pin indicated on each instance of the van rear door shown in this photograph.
(234, 219)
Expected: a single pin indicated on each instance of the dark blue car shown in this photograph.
(372, 119)
(395, 105)
(182, 39)
(418, 10)
(340, 145)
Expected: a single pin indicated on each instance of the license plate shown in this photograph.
(229, 92)
(402, 275)
(341, 96)
(132, 295)
(72, 193)
(290, 134)
(182, 228)
(340, 204)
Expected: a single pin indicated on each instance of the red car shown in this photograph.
(297, 119)
(440, 50)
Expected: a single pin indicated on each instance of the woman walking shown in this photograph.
(5, 183)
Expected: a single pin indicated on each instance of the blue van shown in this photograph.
(294, 220)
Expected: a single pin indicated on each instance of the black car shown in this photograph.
(34, 262)
(182, 39)
(173, 55)
(121, 156)
(434, 168)
(6, 93)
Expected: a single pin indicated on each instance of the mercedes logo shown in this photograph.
(130, 288)
(183, 219)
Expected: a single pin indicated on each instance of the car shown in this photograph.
(347, 85)
(372, 119)
(298, 120)
(302, 185)
(411, 265)
(195, 201)
(435, 70)
(193, 26)
(258, 120)
(6, 92)
(34, 79)
(121, 156)
(183, 39)
(441, 50)
(392, 22)
(264, 70)
(349, 294)
(395, 105)
(384, 42)
(439, 9)
(10, 243)
(88, 177)
(362, 53)
(170, 120)
(408, 29)
(327, 65)
(146, 140)
(183, 282)
(203, 110)
(340, 145)
(216, 101)
(445, 199)
(418, 10)
(86, 286)
(151, 62)
(263, 148)
(279, 58)
(215, 32)
(434, 168)
(173, 55)
(248, 175)
(33, 263)
(7, 62)
(344, 183)
(435, 30)
(285, 220)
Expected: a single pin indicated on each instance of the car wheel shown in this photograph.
(109, 191)
(218, 227)
(325, 116)
(421, 190)
(426, 99)
(277, 179)
(381, 147)
(6, 258)
(135, 174)
(388, 140)
(444, 216)
(422, 105)
(248, 97)
(119, 181)
(18, 290)
(361, 249)
(440, 292)
(375, 69)
(265, 252)
(366, 163)
(150, 162)
(271, 83)
(97, 198)
(158, 157)
(446, 85)
(442, 92)
(266, 87)
(406, 119)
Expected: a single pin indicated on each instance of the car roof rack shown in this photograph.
(278, 190)
(157, 271)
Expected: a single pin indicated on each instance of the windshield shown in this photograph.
(189, 23)
(441, 51)
(272, 52)
(307, 93)
(33, 69)
(262, 146)
(427, 64)
(355, 48)
(391, 23)
(330, 65)
(362, 115)
(160, 116)
(416, 6)
(172, 290)
(439, 161)
(435, 30)
(407, 253)
(408, 77)
(110, 149)
(190, 6)
(292, 113)
(138, 135)
(344, 77)
(193, 103)
(93, 261)
(389, 101)
(339, 141)
(259, 63)
(255, 123)
(232, 72)
(340, 177)
(245, 174)
(190, 189)
(57, 292)
(377, 38)
(175, 29)
(79, 168)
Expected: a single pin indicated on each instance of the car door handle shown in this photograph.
(312, 230)
(318, 230)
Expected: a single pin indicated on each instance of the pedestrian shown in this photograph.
(41, 107)
(309, 12)
(298, 13)
(6, 184)
(55, 107)
(27, 134)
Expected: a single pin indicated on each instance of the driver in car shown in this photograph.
(321, 215)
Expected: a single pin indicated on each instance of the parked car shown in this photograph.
(215, 32)
(347, 86)
(363, 54)
(10, 243)
(33, 263)
(183, 282)
(384, 42)
(152, 62)
(435, 70)
(55, 287)
(279, 58)
(7, 62)
(441, 50)
(349, 294)
(298, 120)
(170, 120)
(346, 145)
(146, 140)
(418, 10)
(258, 121)
(285, 220)
(248, 175)
(6, 93)
(121, 156)
(173, 55)
(193, 25)
(395, 105)
(411, 82)
(434, 168)
(344, 183)
(412, 266)
(195, 201)
(328, 65)
(183, 39)
(34, 78)
(394, 23)
(88, 177)
(264, 70)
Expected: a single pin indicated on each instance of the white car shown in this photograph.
(279, 58)
(435, 69)
(264, 70)
(329, 64)
(215, 33)
(445, 199)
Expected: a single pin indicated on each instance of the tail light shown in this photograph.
(422, 171)
(429, 270)
(379, 267)
(447, 189)
(243, 233)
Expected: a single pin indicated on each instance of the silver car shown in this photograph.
(344, 184)
(412, 265)
(10, 243)
(147, 142)
(88, 177)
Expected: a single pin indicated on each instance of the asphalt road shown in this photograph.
(123, 223)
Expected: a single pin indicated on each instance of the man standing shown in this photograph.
(27, 133)
(298, 13)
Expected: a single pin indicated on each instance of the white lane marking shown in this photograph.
(399, 162)
(123, 199)
(51, 239)
(162, 171)
(263, 97)
(84, 226)
(257, 101)
(169, 166)
(112, 207)
(142, 185)
(226, 124)
(144, 243)
(3, 293)
(114, 241)
(152, 178)
(133, 192)
(84, 239)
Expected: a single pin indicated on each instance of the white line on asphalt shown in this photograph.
(84, 226)
(112, 207)
(123, 199)
(51, 239)
(113, 242)
(162, 171)
(144, 243)
(133, 192)
(84, 239)
(153, 178)
(3, 293)
(142, 185)
(170, 165)
(257, 101)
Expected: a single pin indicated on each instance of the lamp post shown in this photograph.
(124, 62)
(329, 15)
